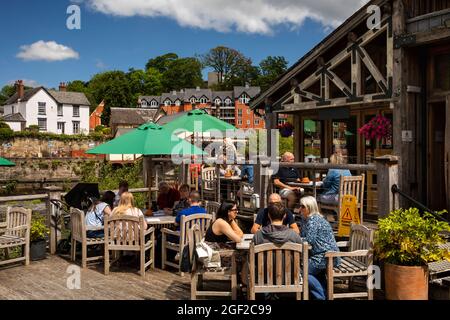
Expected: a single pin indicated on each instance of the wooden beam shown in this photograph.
(371, 66)
(438, 34)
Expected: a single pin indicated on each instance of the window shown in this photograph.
(61, 127)
(442, 76)
(227, 113)
(244, 99)
(256, 121)
(167, 103)
(76, 111)
(178, 103)
(60, 110)
(203, 100)
(248, 111)
(154, 103)
(228, 102)
(193, 100)
(240, 112)
(217, 102)
(248, 122)
(345, 138)
(312, 142)
(42, 123)
(76, 127)
(240, 122)
(13, 109)
(144, 103)
(41, 108)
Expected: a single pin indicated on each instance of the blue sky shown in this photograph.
(113, 38)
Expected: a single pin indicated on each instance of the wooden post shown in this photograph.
(447, 151)
(53, 192)
(148, 176)
(387, 176)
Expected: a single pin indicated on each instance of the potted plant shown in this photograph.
(378, 128)
(406, 242)
(286, 129)
(38, 237)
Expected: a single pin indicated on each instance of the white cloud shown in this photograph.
(47, 51)
(100, 64)
(250, 16)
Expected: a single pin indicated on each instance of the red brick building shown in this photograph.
(230, 106)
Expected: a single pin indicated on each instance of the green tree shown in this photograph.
(114, 89)
(144, 82)
(270, 69)
(81, 86)
(232, 66)
(183, 73)
(161, 63)
(6, 92)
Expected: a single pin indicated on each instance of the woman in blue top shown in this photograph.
(318, 233)
(95, 214)
(331, 183)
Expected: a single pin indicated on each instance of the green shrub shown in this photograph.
(39, 229)
(407, 238)
(99, 128)
(4, 125)
(33, 128)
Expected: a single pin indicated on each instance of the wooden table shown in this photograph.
(245, 243)
(311, 185)
(160, 222)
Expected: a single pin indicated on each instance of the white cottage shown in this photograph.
(53, 111)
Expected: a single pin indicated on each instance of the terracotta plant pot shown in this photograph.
(406, 282)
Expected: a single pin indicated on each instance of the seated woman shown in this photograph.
(96, 213)
(183, 203)
(167, 197)
(318, 233)
(225, 228)
(127, 207)
(331, 183)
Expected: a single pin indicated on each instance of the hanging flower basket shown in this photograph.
(378, 128)
(286, 129)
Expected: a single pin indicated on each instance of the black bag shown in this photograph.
(186, 264)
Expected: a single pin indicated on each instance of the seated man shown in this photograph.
(287, 174)
(276, 232)
(167, 197)
(331, 183)
(183, 203)
(262, 218)
(194, 200)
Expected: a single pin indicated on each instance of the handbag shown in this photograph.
(208, 257)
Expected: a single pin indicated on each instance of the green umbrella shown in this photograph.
(198, 121)
(6, 163)
(148, 139)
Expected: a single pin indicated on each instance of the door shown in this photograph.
(437, 156)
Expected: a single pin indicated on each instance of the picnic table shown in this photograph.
(160, 221)
(312, 185)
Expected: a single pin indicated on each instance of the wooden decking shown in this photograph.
(47, 279)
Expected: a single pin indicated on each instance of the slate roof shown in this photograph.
(149, 99)
(132, 116)
(197, 93)
(173, 96)
(66, 97)
(14, 117)
(251, 91)
(26, 95)
(222, 95)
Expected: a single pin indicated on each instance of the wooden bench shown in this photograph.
(16, 233)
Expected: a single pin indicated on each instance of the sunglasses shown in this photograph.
(234, 210)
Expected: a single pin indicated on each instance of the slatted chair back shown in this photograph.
(18, 222)
(279, 268)
(187, 222)
(353, 185)
(193, 178)
(212, 207)
(209, 178)
(123, 232)
(78, 224)
(361, 238)
(194, 236)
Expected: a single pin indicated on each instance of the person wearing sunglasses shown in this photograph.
(225, 228)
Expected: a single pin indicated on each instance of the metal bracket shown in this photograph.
(404, 40)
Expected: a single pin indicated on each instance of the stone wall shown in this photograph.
(46, 148)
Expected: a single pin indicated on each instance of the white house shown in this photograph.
(53, 111)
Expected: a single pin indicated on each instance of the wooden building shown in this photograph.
(399, 68)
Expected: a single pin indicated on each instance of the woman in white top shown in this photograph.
(95, 217)
(126, 207)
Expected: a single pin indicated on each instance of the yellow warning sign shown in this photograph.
(349, 213)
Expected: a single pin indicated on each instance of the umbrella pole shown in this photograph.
(148, 165)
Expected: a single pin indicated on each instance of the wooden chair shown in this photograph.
(245, 207)
(78, 233)
(209, 184)
(211, 208)
(198, 274)
(202, 219)
(351, 185)
(128, 233)
(354, 263)
(278, 269)
(193, 178)
(16, 233)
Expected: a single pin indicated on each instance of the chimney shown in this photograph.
(247, 85)
(62, 86)
(198, 88)
(20, 89)
(174, 92)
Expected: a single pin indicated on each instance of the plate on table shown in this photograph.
(248, 237)
(159, 213)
